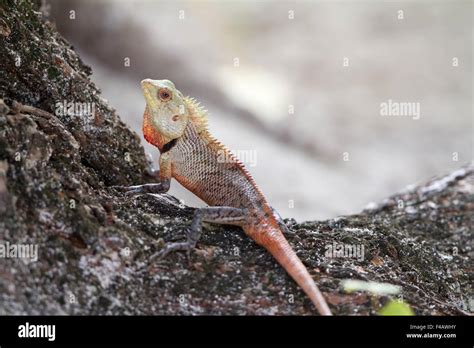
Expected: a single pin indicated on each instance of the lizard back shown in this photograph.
(206, 167)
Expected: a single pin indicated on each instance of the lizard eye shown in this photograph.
(164, 94)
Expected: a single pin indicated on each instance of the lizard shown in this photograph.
(178, 126)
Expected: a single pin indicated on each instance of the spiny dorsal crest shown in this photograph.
(199, 118)
(198, 114)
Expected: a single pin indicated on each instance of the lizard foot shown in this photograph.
(157, 188)
(172, 247)
(128, 190)
(209, 214)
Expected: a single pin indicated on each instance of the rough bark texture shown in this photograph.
(95, 245)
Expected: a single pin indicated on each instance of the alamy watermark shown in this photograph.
(66, 108)
(406, 109)
(37, 331)
(339, 250)
(248, 157)
(19, 251)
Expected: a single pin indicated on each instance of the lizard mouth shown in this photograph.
(146, 82)
(146, 94)
(147, 88)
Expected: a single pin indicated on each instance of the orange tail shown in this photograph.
(281, 250)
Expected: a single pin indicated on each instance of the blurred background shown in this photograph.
(295, 88)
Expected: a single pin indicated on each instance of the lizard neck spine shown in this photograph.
(200, 124)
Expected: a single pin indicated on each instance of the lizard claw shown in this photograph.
(132, 192)
(120, 188)
(128, 190)
(160, 254)
(172, 247)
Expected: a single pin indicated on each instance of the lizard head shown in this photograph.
(166, 110)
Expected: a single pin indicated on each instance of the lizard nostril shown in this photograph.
(175, 118)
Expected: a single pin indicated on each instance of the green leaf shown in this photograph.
(396, 307)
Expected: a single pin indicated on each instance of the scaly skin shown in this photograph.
(177, 125)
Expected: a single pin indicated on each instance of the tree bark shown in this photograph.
(95, 245)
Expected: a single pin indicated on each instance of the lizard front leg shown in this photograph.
(162, 186)
(159, 187)
(218, 215)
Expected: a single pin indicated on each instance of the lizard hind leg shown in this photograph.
(280, 221)
(218, 215)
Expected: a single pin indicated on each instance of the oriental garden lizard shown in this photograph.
(177, 126)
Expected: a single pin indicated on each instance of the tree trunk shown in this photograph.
(95, 245)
